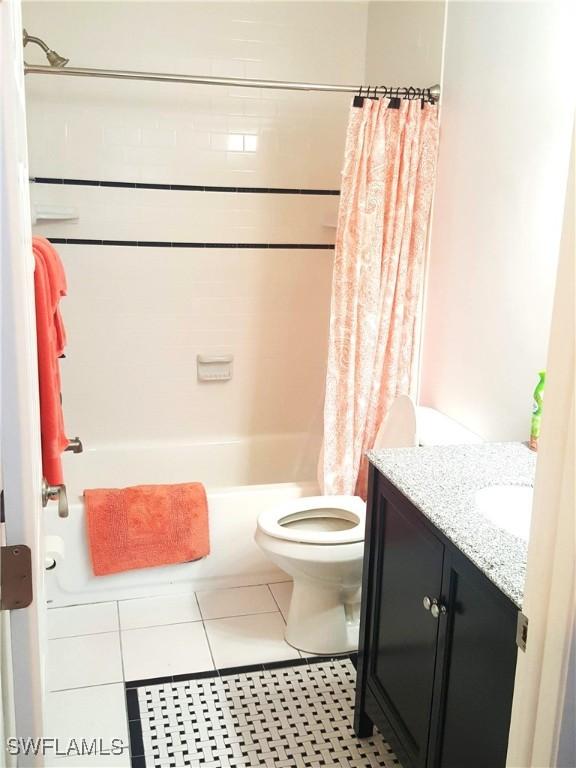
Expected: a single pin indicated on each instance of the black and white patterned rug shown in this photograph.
(278, 716)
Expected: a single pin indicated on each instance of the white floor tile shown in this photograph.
(175, 649)
(154, 611)
(88, 713)
(82, 620)
(239, 601)
(75, 662)
(248, 640)
(282, 592)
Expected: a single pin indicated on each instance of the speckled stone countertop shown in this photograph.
(441, 481)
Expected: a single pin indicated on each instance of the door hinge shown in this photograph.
(15, 577)
(522, 631)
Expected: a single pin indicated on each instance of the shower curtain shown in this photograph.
(386, 193)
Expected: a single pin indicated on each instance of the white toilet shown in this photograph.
(319, 541)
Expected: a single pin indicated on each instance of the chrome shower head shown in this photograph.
(54, 59)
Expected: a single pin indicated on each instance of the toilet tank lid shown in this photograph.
(435, 428)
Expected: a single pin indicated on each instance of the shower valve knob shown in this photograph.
(53, 492)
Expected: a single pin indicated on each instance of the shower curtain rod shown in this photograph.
(431, 94)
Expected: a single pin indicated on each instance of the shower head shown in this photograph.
(54, 59)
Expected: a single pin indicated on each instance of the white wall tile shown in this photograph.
(137, 318)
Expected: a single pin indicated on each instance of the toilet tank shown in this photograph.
(408, 425)
(435, 428)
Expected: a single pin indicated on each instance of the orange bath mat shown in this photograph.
(146, 525)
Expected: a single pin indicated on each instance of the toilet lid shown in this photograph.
(316, 520)
(398, 430)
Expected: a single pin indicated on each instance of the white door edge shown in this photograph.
(20, 430)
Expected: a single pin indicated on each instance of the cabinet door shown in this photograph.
(477, 654)
(408, 567)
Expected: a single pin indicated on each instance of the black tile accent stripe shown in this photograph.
(132, 705)
(182, 187)
(131, 685)
(168, 244)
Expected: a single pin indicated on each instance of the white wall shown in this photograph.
(404, 43)
(137, 317)
(505, 136)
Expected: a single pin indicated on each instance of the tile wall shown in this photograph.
(137, 315)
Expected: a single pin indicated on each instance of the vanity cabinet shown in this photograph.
(437, 653)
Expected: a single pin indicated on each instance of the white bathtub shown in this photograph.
(242, 478)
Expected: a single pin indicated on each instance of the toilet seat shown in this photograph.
(275, 522)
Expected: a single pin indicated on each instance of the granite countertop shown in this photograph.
(441, 481)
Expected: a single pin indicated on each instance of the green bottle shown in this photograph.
(537, 411)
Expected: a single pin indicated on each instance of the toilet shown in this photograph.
(319, 541)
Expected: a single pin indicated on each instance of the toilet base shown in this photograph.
(323, 619)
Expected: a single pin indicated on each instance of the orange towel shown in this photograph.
(49, 287)
(146, 525)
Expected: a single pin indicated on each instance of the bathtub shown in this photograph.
(242, 478)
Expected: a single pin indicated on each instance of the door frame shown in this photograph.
(550, 592)
(20, 453)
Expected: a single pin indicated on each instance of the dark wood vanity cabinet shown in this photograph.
(437, 653)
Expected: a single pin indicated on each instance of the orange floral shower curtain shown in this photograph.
(387, 183)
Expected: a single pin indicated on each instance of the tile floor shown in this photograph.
(94, 649)
(282, 717)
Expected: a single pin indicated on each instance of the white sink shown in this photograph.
(508, 507)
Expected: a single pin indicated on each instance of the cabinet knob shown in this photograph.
(437, 609)
(427, 602)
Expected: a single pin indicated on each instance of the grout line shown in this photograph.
(198, 606)
(277, 603)
(120, 640)
(208, 644)
(274, 596)
(84, 634)
(242, 615)
(155, 626)
(78, 605)
(169, 624)
(83, 687)
(244, 586)
(167, 595)
(123, 677)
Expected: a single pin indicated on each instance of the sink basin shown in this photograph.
(508, 507)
